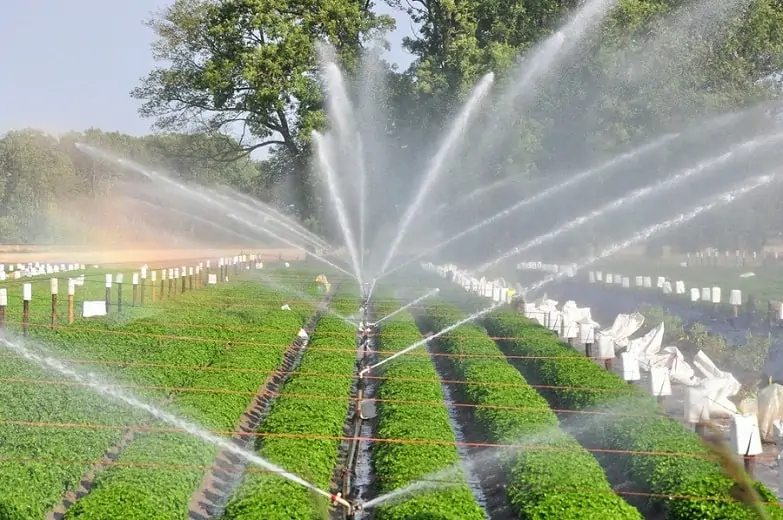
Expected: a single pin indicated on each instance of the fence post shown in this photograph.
(135, 283)
(27, 295)
(54, 286)
(143, 284)
(108, 291)
(120, 280)
(71, 293)
(3, 305)
(153, 283)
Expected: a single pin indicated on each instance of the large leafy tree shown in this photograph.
(249, 66)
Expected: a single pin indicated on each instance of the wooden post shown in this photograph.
(153, 283)
(171, 281)
(750, 465)
(71, 294)
(190, 278)
(143, 285)
(27, 295)
(108, 292)
(184, 277)
(3, 305)
(120, 280)
(54, 287)
(135, 295)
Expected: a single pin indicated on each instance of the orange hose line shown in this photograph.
(326, 375)
(256, 469)
(305, 396)
(387, 440)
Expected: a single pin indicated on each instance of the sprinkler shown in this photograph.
(337, 499)
(351, 507)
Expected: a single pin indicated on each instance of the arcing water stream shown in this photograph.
(433, 171)
(636, 238)
(342, 215)
(635, 195)
(109, 391)
(538, 197)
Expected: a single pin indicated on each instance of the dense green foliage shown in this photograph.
(45, 180)
(332, 349)
(160, 350)
(249, 67)
(554, 477)
(414, 378)
(636, 426)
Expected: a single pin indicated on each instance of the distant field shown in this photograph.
(766, 282)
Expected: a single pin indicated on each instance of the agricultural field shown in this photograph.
(765, 284)
(467, 426)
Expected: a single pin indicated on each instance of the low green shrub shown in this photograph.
(271, 497)
(399, 464)
(636, 426)
(555, 477)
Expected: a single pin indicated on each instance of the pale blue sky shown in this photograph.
(70, 65)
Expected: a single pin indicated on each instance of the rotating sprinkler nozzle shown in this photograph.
(352, 508)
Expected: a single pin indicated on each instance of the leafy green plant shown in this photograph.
(554, 477)
(160, 349)
(576, 383)
(399, 464)
(271, 497)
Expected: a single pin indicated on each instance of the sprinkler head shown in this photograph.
(337, 499)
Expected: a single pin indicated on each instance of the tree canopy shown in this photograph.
(235, 77)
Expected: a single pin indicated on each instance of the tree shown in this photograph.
(251, 65)
(33, 168)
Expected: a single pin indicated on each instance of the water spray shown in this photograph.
(641, 236)
(439, 160)
(194, 192)
(278, 237)
(342, 215)
(408, 305)
(635, 195)
(105, 390)
(538, 197)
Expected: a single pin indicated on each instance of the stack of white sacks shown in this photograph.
(17, 271)
(497, 290)
(708, 389)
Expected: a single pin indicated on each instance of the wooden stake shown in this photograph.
(71, 293)
(27, 295)
(3, 304)
(54, 286)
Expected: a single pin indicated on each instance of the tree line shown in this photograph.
(252, 65)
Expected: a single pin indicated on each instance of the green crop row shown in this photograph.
(134, 490)
(271, 497)
(554, 477)
(637, 425)
(32, 486)
(399, 464)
